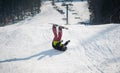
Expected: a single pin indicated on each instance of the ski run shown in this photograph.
(25, 47)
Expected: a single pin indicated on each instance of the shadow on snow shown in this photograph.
(41, 55)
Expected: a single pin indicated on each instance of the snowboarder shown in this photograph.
(57, 42)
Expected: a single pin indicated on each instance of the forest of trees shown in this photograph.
(104, 11)
(12, 11)
(68, 0)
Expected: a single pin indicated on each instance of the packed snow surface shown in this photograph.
(25, 47)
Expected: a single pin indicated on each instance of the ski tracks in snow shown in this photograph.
(99, 50)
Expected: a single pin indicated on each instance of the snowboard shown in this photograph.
(59, 26)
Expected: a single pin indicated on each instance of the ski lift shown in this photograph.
(67, 3)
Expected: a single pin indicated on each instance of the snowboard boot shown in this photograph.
(61, 27)
(54, 25)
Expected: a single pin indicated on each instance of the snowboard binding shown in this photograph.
(60, 26)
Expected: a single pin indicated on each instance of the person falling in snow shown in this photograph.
(57, 42)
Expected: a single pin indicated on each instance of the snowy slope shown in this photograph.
(25, 47)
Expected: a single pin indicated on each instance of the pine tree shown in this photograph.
(12, 11)
(104, 11)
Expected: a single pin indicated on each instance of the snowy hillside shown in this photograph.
(26, 47)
